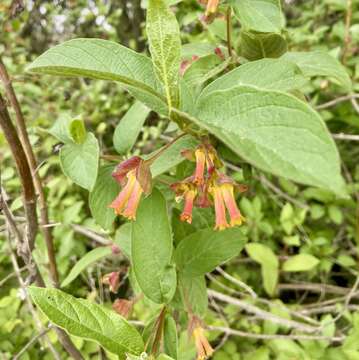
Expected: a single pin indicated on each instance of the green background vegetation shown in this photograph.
(283, 219)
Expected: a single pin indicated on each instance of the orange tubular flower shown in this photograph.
(220, 210)
(212, 6)
(189, 197)
(187, 190)
(204, 348)
(127, 174)
(133, 201)
(234, 213)
(200, 154)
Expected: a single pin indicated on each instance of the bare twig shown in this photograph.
(24, 139)
(317, 288)
(282, 194)
(355, 104)
(63, 337)
(328, 309)
(219, 311)
(32, 341)
(275, 336)
(348, 137)
(22, 284)
(11, 275)
(262, 314)
(237, 282)
(347, 302)
(91, 234)
(337, 101)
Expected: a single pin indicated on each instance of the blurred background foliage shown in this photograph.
(285, 218)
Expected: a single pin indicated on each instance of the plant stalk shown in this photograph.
(24, 139)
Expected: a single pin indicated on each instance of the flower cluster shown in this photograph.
(208, 186)
(135, 178)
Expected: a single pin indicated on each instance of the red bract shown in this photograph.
(123, 307)
(113, 280)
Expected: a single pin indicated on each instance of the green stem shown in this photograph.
(229, 30)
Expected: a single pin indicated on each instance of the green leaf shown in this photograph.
(262, 254)
(164, 357)
(320, 63)
(170, 340)
(198, 71)
(194, 292)
(61, 128)
(151, 249)
(301, 262)
(276, 74)
(171, 156)
(260, 15)
(204, 250)
(270, 276)
(123, 238)
(89, 258)
(165, 47)
(80, 161)
(199, 49)
(256, 46)
(78, 131)
(104, 192)
(265, 256)
(106, 60)
(129, 127)
(89, 321)
(275, 132)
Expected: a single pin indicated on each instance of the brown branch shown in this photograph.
(30, 211)
(24, 173)
(24, 139)
(347, 37)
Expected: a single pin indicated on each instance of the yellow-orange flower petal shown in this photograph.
(220, 210)
(133, 202)
(121, 200)
(200, 166)
(203, 347)
(234, 213)
(189, 197)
